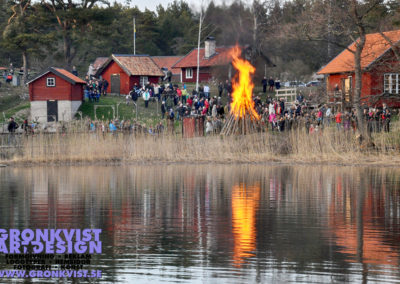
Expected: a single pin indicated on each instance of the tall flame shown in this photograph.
(242, 86)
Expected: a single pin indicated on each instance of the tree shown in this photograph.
(351, 21)
(73, 20)
(24, 31)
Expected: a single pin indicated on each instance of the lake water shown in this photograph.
(218, 224)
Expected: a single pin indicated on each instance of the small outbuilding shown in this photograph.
(123, 71)
(55, 95)
(380, 72)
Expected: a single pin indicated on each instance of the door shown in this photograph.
(115, 84)
(52, 111)
(143, 80)
(348, 86)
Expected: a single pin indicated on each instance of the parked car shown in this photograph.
(313, 84)
(294, 84)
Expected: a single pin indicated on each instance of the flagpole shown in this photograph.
(134, 35)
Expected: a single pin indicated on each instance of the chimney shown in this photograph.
(209, 47)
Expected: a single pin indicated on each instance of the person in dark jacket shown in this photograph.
(264, 83)
(163, 110)
(271, 84)
(12, 125)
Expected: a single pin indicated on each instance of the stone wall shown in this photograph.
(66, 110)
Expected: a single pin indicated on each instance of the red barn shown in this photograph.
(380, 72)
(55, 95)
(211, 57)
(123, 71)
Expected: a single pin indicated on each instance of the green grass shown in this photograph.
(11, 101)
(149, 116)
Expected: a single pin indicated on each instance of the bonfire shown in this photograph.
(242, 118)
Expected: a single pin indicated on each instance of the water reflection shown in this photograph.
(245, 201)
(236, 223)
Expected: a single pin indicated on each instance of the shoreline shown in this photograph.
(275, 162)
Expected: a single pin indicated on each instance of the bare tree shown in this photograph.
(349, 21)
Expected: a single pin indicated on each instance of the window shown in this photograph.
(189, 73)
(51, 82)
(144, 80)
(391, 83)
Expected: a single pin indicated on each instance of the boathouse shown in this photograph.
(55, 95)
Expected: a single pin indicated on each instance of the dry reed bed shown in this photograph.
(328, 146)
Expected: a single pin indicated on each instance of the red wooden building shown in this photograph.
(55, 95)
(166, 62)
(380, 72)
(123, 71)
(212, 61)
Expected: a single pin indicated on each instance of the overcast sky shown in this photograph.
(152, 4)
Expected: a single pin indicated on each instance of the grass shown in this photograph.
(329, 146)
(149, 116)
(12, 101)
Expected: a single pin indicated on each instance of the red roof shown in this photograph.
(375, 47)
(99, 62)
(221, 57)
(70, 75)
(64, 74)
(138, 65)
(167, 62)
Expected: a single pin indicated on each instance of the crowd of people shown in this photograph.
(276, 115)
(94, 88)
(176, 103)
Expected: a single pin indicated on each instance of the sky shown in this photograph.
(152, 4)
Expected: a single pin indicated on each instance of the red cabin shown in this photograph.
(55, 95)
(211, 59)
(124, 71)
(380, 72)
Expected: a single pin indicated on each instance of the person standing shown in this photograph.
(277, 84)
(146, 98)
(271, 84)
(338, 118)
(157, 91)
(12, 127)
(220, 89)
(74, 71)
(264, 83)
(206, 91)
(163, 110)
(104, 87)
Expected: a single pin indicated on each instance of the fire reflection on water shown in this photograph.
(245, 200)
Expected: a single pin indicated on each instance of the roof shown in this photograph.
(221, 57)
(375, 47)
(139, 65)
(98, 62)
(64, 74)
(167, 62)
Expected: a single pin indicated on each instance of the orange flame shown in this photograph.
(242, 86)
(245, 201)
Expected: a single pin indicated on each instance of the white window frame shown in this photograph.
(143, 80)
(51, 82)
(391, 83)
(189, 73)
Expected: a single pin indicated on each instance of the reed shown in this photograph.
(328, 146)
